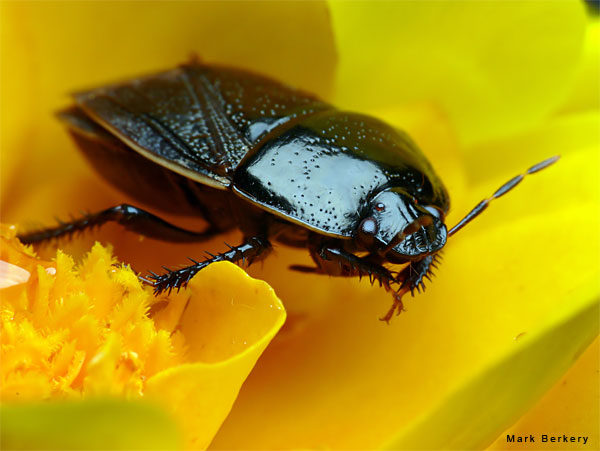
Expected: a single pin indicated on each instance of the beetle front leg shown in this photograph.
(411, 278)
(337, 262)
(254, 249)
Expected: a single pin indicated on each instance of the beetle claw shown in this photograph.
(397, 307)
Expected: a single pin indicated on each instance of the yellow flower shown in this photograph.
(91, 332)
(486, 89)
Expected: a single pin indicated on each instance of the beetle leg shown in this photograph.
(252, 250)
(397, 306)
(336, 262)
(132, 218)
(412, 277)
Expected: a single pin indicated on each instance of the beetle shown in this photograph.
(242, 150)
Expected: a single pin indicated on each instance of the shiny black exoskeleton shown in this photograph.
(244, 151)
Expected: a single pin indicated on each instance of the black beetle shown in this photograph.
(244, 151)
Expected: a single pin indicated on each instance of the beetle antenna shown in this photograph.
(481, 206)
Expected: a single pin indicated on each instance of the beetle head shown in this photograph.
(399, 229)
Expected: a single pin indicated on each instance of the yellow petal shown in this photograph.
(508, 388)
(585, 94)
(512, 384)
(225, 339)
(97, 424)
(494, 67)
(570, 408)
(574, 177)
(17, 104)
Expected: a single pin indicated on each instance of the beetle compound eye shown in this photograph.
(367, 229)
(368, 226)
(380, 207)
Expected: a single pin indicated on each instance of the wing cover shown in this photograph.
(197, 120)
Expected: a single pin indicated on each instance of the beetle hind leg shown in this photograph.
(132, 218)
(252, 250)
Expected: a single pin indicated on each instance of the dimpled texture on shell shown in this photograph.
(323, 171)
(197, 120)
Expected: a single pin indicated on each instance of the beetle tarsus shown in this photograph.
(253, 249)
(397, 306)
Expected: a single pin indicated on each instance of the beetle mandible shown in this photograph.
(242, 150)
